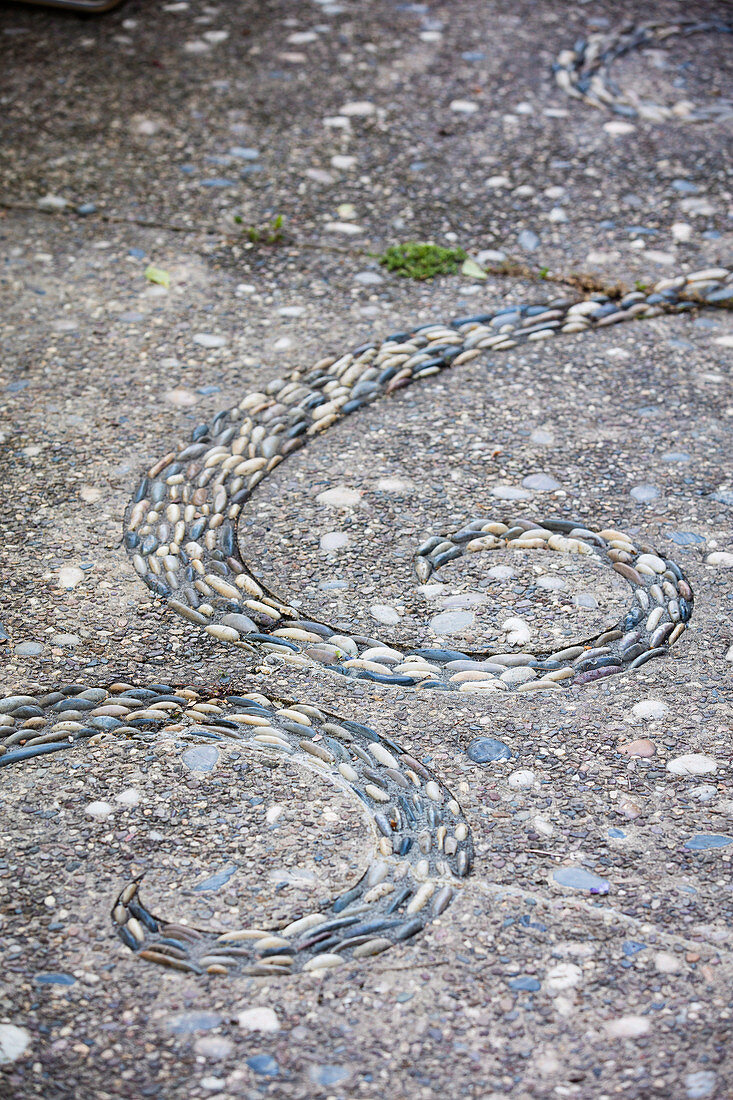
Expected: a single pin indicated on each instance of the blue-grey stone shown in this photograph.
(577, 878)
(243, 153)
(200, 758)
(218, 182)
(723, 496)
(685, 538)
(217, 880)
(52, 977)
(616, 834)
(685, 187)
(525, 984)
(186, 1023)
(528, 240)
(485, 750)
(329, 1074)
(633, 947)
(263, 1064)
(645, 493)
(703, 842)
(105, 722)
(28, 649)
(700, 1084)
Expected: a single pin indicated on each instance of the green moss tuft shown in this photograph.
(418, 260)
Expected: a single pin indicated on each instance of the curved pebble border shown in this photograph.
(180, 528)
(584, 71)
(661, 606)
(423, 846)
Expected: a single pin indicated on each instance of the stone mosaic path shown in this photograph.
(481, 857)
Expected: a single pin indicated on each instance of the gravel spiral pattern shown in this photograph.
(180, 528)
(423, 847)
(585, 71)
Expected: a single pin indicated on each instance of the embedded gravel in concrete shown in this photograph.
(589, 952)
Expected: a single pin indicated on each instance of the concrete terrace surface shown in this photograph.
(193, 199)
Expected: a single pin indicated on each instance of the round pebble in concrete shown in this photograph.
(450, 622)
(14, 1041)
(705, 842)
(693, 763)
(577, 878)
(487, 750)
(645, 493)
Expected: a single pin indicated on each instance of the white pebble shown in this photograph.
(562, 976)
(209, 340)
(490, 256)
(693, 763)
(667, 963)
(334, 540)
(383, 613)
(464, 106)
(501, 573)
(258, 1019)
(650, 709)
(628, 1027)
(510, 492)
(52, 202)
(100, 810)
(347, 228)
(181, 397)
(339, 497)
(519, 631)
(552, 583)
(720, 557)
(393, 485)
(90, 494)
(70, 576)
(358, 109)
(14, 1041)
(521, 778)
(129, 797)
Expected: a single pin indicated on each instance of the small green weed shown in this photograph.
(419, 260)
(272, 233)
(643, 287)
(544, 272)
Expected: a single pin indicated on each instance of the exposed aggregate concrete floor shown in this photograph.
(522, 987)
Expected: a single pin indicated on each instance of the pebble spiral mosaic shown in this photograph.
(585, 71)
(422, 843)
(181, 532)
(181, 528)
